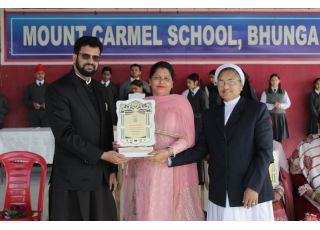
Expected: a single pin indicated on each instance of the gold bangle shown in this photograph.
(281, 193)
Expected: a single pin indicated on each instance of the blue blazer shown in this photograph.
(239, 152)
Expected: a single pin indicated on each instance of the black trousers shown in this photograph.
(82, 205)
(38, 118)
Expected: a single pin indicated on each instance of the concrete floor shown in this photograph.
(35, 177)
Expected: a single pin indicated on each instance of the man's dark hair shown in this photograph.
(87, 41)
(136, 65)
(106, 68)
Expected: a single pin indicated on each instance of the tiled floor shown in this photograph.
(35, 177)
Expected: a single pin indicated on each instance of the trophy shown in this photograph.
(135, 127)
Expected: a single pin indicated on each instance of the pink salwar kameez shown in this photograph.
(153, 191)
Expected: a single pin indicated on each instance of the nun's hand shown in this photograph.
(250, 198)
(160, 156)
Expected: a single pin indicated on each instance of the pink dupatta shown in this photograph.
(153, 191)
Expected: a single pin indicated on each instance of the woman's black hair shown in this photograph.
(280, 90)
(162, 65)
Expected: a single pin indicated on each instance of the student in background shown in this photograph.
(135, 74)
(4, 109)
(314, 105)
(137, 90)
(277, 101)
(212, 90)
(199, 103)
(111, 90)
(34, 99)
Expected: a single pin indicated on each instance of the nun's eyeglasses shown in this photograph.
(231, 82)
(86, 56)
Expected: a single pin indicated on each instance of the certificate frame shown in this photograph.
(136, 127)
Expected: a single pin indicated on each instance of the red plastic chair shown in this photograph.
(18, 166)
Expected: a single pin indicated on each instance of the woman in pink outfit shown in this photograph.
(152, 190)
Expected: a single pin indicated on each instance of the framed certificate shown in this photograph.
(135, 127)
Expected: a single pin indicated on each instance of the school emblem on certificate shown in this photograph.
(135, 127)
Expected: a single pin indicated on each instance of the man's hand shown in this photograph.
(115, 145)
(250, 198)
(113, 183)
(114, 157)
(43, 105)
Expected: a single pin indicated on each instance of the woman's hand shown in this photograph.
(250, 198)
(277, 195)
(160, 156)
(277, 105)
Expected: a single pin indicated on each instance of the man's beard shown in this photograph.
(85, 72)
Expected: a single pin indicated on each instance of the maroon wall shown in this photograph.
(296, 79)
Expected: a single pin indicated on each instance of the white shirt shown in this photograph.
(285, 105)
(105, 83)
(39, 83)
(132, 79)
(194, 91)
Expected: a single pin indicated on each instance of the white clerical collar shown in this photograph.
(132, 79)
(87, 81)
(228, 108)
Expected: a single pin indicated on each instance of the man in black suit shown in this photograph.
(237, 135)
(83, 173)
(111, 90)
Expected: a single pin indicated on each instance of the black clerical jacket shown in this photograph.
(81, 134)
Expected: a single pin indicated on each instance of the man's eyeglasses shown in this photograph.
(85, 56)
(231, 82)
